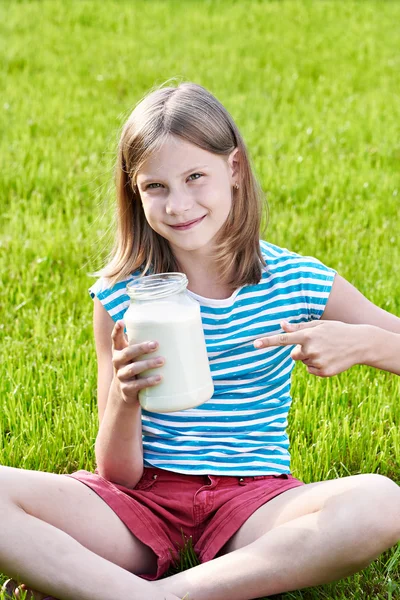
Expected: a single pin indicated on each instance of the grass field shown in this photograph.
(314, 87)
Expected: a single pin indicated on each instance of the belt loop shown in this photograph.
(213, 480)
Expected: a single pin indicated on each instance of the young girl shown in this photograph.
(219, 473)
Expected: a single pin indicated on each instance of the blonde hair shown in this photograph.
(189, 112)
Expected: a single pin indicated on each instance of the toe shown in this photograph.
(24, 593)
(9, 588)
(14, 591)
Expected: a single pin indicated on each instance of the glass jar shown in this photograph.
(162, 310)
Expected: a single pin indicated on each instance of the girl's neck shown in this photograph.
(205, 280)
(209, 289)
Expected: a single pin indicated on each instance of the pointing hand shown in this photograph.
(325, 347)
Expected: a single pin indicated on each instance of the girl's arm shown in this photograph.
(384, 353)
(352, 331)
(119, 452)
(348, 305)
(330, 347)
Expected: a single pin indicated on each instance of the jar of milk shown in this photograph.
(162, 310)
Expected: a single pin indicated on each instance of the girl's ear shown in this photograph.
(233, 161)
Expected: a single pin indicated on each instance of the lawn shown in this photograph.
(314, 88)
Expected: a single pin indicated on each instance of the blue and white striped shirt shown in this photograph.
(241, 430)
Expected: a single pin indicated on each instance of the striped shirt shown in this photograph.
(241, 430)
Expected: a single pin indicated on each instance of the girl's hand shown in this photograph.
(128, 364)
(325, 347)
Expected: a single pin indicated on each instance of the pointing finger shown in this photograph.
(282, 339)
(290, 327)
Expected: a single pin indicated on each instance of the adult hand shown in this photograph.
(132, 364)
(325, 347)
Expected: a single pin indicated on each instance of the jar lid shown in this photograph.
(160, 285)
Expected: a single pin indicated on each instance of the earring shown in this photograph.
(236, 186)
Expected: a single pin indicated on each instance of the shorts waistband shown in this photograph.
(163, 474)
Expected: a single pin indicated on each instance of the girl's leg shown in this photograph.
(307, 536)
(59, 537)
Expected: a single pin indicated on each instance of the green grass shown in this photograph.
(314, 87)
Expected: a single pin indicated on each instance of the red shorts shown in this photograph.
(165, 508)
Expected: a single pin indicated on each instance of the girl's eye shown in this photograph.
(150, 185)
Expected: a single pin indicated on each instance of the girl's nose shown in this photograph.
(178, 203)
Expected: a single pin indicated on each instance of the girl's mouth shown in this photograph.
(188, 225)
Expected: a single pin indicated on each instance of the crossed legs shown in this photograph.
(307, 536)
(59, 537)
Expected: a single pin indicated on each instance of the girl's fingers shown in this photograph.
(313, 371)
(132, 352)
(131, 388)
(118, 337)
(290, 327)
(133, 369)
(298, 354)
(282, 339)
(294, 333)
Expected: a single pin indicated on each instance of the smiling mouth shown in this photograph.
(187, 225)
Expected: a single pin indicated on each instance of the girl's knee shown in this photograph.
(372, 513)
(8, 489)
(368, 509)
(382, 500)
(20, 486)
(383, 491)
(6, 481)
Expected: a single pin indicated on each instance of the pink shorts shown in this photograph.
(165, 508)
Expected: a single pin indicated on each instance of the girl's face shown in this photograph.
(186, 194)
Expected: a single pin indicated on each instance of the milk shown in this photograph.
(175, 323)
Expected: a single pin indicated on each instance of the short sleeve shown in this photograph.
(303, 283)
(315, 283)
(114, 298)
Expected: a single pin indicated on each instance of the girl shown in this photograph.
(220, 474)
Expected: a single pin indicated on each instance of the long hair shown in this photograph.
(191, 113)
